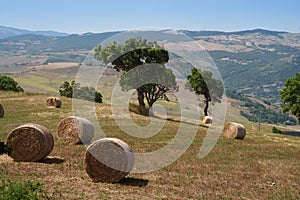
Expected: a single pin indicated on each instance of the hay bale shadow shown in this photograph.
(52, 160)
(133, 182)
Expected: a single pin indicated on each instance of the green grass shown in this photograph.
(262, 166)
(33, 81)
(15, 190)
(38, 83)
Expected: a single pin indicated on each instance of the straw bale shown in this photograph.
(207, 120)
(53, 102)
(75, 130)
(234, 130)
(30, 142)
(108, 160)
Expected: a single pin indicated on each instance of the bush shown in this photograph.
(74, 90)
(7, 83)
(89, 94)
(5, 149)
(276, 130)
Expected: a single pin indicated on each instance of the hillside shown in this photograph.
(47, 78)
(256, 110)
(33, 44)
(253, 62)
(262, 166)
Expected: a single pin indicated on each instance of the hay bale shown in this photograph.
(234, 130)
(108, 160)
(75, 130)
(1, 111)
(30, 142)
(53, 102)
(207, 120)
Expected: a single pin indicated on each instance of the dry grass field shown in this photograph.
(262, 166)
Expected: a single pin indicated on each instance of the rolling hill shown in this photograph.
(253, 62)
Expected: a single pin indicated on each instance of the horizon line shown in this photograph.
(149, 28)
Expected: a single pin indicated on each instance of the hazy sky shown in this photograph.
(80, 16)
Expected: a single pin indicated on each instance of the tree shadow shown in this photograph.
(51, 160)
(185, 122)
(133, 182)
(291, 133)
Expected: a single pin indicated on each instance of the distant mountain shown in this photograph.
(241, 33)
(260, 31)
(31, 43)
(54, 41)
(6, 32)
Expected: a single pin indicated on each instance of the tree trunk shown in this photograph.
(141, 97)
(150, 103)
(206, 108)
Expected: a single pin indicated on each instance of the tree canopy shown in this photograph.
(74, 90)
(159, 80)
(290, 94)
(133, 53)
(203, 83)
(7, 83)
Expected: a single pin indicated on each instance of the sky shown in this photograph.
(81, 16)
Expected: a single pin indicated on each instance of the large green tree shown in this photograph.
(203, 83)
(290, 94)
(134, 52)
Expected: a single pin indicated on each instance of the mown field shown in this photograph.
(262, 166)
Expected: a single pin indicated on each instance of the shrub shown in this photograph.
(5, 149)
(74, 90)
(7, 83)
(276, 130)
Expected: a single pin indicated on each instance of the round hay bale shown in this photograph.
(1, 111)
(75, 130)
(234, 130)
(108, 160)
(30, 142)
(207, 120)
(53, 102)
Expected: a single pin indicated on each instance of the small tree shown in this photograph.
(290, 94)
(74, 90)
(135, 52)
(7, 83)
(66, 89)
(199, 81)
